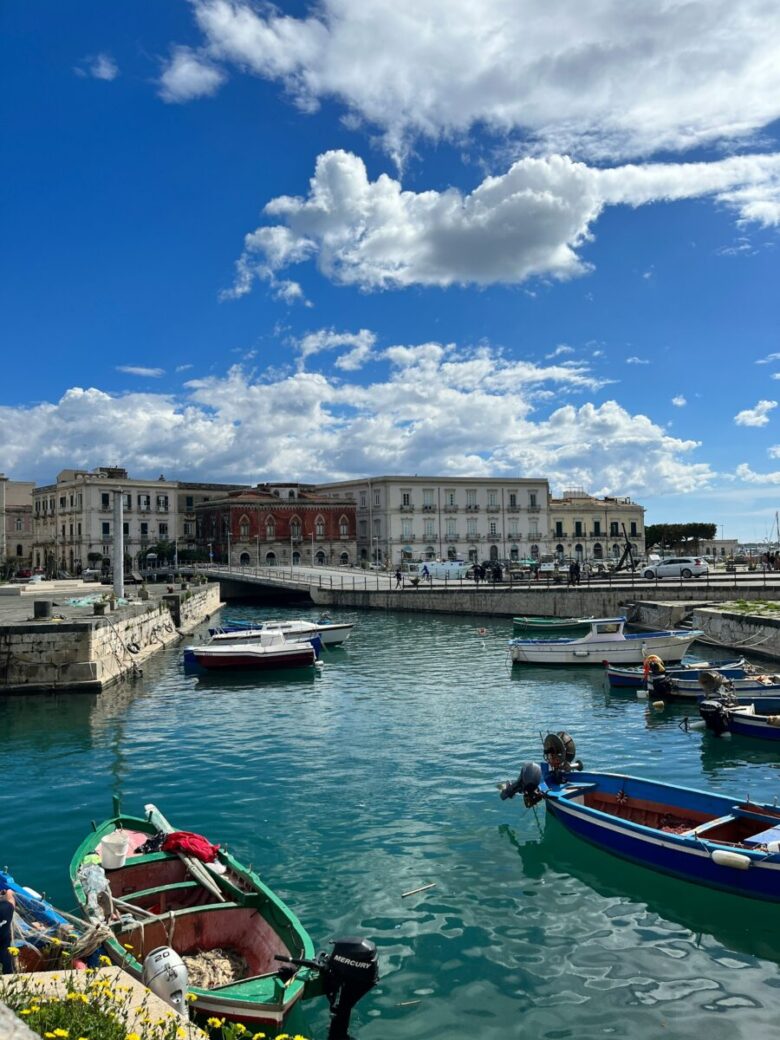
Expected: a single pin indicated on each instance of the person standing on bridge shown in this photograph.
(399, 579)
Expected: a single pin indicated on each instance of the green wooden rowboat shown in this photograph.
(168, 899)
(552, 625)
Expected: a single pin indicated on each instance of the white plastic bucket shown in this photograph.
(113, 850)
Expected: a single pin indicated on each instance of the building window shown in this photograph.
(449, 497)
(513, 531)
(514, 553)
(78, 530)
(63, 532)
(344, 559)
(270, 528)
(406, 498)
(492, 528)
(532, 499)
(144, 529)
(145, 503)
(492, 499)
(512, 499)
(376, 498)
(559, 551)
(295, 528)
(62, 501)
(126, 529)
(614, 530)
(319, 527)
(471, 497)
(598, 551)
(70, 530)
(189, 503)
(127, 501)
(343, 527)
(597, 527)
(451, 529)
(634, 531)
(189, 527)
(19, 525)
(243, 527)
(427, 497)
(105, 529)
(162, 503)
(471, 527)
(406, 529)
(429, 533)
(19, 550)
(163, 528)
(559, 528)
(105, 500)
(362, 500)
(578, 528)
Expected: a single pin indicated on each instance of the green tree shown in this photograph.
(678, 537)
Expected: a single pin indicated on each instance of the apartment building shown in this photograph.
(402, 518)
(588, 528)
(73, 519)
(15, 523)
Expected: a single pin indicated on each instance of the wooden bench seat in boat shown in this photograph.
(657, 815)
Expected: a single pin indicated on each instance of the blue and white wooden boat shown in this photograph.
(634, 678)
(709, 839)
(330, 633)
(723, 717)
(42, 933)
(606, 640)
(758, 689)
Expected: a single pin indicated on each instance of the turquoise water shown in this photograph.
(347, 788)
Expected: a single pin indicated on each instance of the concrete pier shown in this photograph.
(76, 649)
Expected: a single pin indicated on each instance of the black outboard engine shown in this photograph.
(715, 715)
(347, 972)
(528, 782)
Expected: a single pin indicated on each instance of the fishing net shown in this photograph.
(217, 967)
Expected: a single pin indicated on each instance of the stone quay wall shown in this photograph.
(754, 634)
(92, 653)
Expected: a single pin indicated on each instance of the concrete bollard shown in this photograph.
(42, 609)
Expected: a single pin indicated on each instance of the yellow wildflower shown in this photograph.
(192, 997)
(14, 951)
(61, 1032)
(127, 946)
(239, 1029)
(102, 959)
(55, 941)
(49, 1036)
(25, 1011)
(214, 1023)
(133, 1036)
(258, 1036)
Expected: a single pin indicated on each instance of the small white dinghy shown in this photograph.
(605, 640)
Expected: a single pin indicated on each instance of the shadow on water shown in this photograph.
(738, 924)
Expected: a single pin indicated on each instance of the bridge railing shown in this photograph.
(355, 580)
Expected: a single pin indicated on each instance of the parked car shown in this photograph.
(677, 567)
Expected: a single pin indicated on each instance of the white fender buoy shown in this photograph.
(642, 695)
(659, 704)
(725, 858)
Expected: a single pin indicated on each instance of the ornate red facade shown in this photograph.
(262, 527)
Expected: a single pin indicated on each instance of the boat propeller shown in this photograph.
(347, 973)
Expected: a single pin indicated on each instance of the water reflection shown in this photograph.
(736, 924)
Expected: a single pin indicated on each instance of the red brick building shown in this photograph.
(278, 525)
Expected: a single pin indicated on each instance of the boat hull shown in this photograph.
(245, 660)
(634, 678)
(631, 650)
(746, 871)
(759, 726)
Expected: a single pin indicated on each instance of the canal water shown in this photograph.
(347, 788)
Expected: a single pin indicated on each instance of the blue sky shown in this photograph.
(513, 238)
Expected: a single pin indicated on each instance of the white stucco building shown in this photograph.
(587, 528)
(471, 518)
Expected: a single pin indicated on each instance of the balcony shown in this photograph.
(534, 509)
(474, 508)
(406, 509)
(513, 509)
(408, 537)
(450, 509)
(429, 509)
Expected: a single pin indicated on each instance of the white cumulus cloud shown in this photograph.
(141, 370)
(603, 78)
(679, 401)
(98, 66)
(189, 75)
(534, 220)
(431, 407)
(758, 416)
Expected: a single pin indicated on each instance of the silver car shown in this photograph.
(677, 567)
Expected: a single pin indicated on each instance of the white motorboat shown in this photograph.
(605, 640)
(331, 633)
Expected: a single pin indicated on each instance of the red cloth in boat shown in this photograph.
(191, 845)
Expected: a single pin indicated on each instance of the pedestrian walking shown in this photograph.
(399, 579)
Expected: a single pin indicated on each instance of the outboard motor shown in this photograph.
(347, 972)
(528, 782)
(165, 974)
(715, 715)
